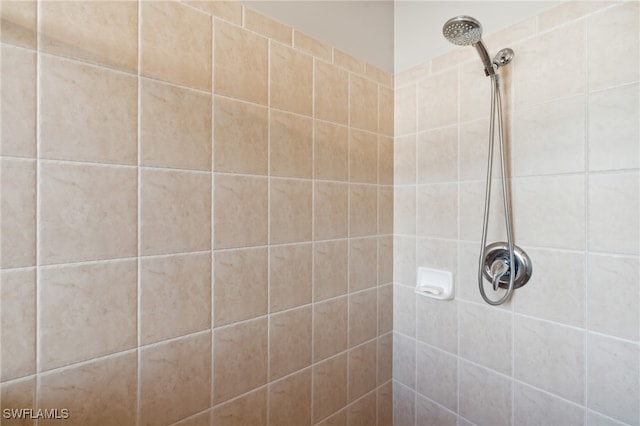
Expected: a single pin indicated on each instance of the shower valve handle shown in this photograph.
(499, 269)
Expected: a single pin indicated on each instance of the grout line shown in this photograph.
(458, 230)
(138, 419)
(116, 259)
(415, 252)
(510, 134)
(269, 230)
(86, 62)
(349, 180)
(38, 284)
(313, 233)
(78, 364)
(586, 181)
(212, 388)
(68, 162)
(526, 177)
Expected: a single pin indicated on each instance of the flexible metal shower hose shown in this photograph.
(496, 104)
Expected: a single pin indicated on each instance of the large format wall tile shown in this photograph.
(330, 271)
(267, 26)
(290, 211)
(86, 311)
(558, 73)
(614, 129)
(290, 280)
(363, 157)
(290, 341)
(606, 36)
(331, 151)
(291, 80)
(87, 113)
(175, 211)
(241, 137)
(428, 412)
(18, 321)
(240, 289)
(175, 379)
(363, 103)
(613, 305)
(17, 213)
(331, 93)
(614, 212)
(240, 359)
(104, 33)
(362, 360)
(19, 23)
(438, 323)
(291, 145)
(362, 252)
(250, 409)
(175, 44)
(537, 200)
(435, 204)
(330, 327)
(175, 296)
(362, 316)
(19, 393)
(613, 368)
(175, 127)
(557, 289)
(363, 210)
(241, 63)
(478, 405)
(240, 211)
(98, 392)
(290, 400)
(531, 406)
(432, 112)
(329, 386)
(18, 98)
(437, 155)
(550, 357)
(330, 210)
(550, 138)
(86, 212)
(485, 336)
(437, 376)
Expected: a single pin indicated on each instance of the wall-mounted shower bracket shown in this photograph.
(501, 59)
(496, 262)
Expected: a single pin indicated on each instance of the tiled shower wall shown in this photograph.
(565, 350)
(196, 218)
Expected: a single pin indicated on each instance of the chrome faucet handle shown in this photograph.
(499, 269)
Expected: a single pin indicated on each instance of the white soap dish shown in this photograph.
(435, 283)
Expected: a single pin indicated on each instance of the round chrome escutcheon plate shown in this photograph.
(500, 251)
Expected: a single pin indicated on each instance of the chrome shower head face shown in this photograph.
(462, 30)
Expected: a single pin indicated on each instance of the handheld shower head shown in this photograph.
(462, 30)
(465, 31)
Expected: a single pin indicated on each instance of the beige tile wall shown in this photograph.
(566, 349)
(197, 218)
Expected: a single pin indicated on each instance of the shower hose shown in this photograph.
(499, 268)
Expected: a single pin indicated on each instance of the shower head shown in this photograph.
(462, 30)
(467, 31)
